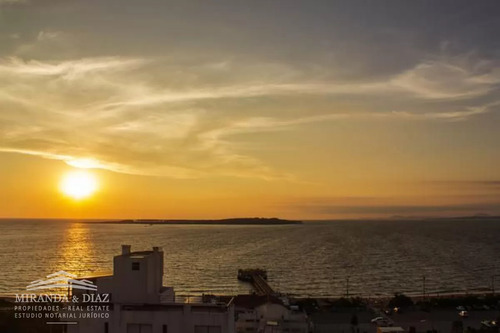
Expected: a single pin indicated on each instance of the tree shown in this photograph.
(400, 300)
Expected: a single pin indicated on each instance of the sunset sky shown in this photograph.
(212, 109)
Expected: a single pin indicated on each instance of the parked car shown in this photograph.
(489, 324)
(463, 314)
(381, 321)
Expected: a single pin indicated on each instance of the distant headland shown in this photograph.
(230, 221)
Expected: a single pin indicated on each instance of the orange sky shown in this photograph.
(317, 111)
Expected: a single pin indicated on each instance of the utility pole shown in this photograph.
(348, 268)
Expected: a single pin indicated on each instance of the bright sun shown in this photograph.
(78, 184)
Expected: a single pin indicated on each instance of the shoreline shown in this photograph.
(366, 298)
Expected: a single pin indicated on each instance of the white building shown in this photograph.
(141, 304)
(263, 314)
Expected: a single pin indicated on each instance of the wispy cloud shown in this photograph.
(141, 116)
(248, 91)
(63, 102)
(433, 79)
(66, 69)
(448, 116)
(444, 80)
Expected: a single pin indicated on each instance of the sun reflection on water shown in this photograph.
(76, 251)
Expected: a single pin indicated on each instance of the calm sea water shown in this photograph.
(313, 259)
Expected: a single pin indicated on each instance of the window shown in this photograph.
(164, 329)
(106, 327)
(207, 329)
(139, 328)
(136, 266)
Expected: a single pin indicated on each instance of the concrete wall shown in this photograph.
(138, 286)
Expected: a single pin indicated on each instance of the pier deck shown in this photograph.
(258, 279)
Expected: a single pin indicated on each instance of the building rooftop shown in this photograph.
(253, 301)
(126, 251)
(96, 275)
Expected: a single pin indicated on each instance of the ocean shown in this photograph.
(319, 259)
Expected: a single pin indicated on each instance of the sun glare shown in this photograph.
(78, 184)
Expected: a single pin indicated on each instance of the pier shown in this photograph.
(258, 279)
